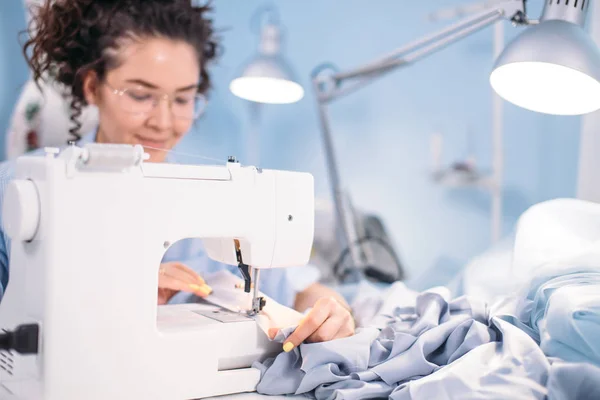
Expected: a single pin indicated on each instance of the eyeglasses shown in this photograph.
(141, 100)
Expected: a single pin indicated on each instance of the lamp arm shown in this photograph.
(513, 10)
(429, 44)
(328, 89)
(369, 73)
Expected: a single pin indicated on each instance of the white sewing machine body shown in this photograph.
(87, 242)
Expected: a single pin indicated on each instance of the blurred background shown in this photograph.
(383, 133)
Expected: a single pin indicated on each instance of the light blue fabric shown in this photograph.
(432, 347)
(281, 284)
(391, 357)
(561, 311)
(568, 381)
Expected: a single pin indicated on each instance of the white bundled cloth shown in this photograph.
(42, 118)
(557, 232)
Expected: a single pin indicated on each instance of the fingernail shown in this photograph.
(206, 289)
(195, 288)
(289, 346)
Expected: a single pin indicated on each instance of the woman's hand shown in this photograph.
(175, 277)
(328, 320)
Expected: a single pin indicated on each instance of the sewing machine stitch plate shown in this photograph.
(224, 316)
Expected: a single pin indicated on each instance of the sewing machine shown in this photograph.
(89, 227)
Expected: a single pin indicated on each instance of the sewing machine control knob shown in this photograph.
(21, 210)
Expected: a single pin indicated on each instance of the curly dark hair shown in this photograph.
(68, 38)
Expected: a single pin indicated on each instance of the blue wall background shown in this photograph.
(13, 69)
(382, 132)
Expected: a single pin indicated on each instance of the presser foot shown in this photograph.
(257, 306)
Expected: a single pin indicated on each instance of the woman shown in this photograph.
(143, 64)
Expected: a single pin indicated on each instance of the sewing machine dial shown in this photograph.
(21, 210)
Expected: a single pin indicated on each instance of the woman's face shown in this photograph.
(149, 98)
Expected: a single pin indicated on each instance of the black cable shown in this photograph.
(370, 271)
(23, 340)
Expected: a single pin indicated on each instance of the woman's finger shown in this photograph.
(273, 332)
(328, 330)
(164, 295)
(315, 318)
(176, 282)
(194, 277)
(175, 270)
